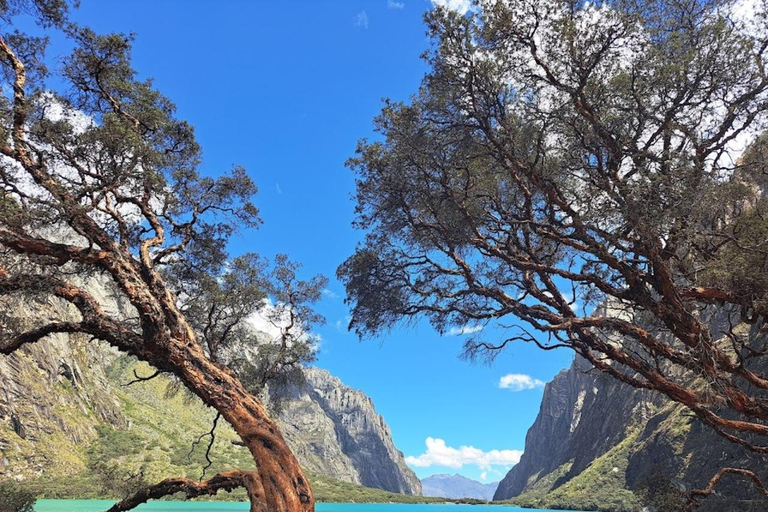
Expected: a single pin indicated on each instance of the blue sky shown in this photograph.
(286, 89)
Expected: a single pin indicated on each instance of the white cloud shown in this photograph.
(439, 454)
(519, 382)
(330, 294)
(483, 475)
(460, 6)
(273, 321)
(391, 4)
(362, 19)
(464, 329)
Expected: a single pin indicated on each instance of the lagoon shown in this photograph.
(199, 506)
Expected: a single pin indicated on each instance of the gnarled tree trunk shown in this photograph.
(283, 486)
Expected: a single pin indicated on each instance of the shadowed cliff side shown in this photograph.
(598, 444)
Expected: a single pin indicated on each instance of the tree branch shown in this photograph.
(695, 496)
(39, 333)
(212, 435)
(139, 378)
(227, 481)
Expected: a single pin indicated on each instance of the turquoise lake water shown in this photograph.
(180, 506)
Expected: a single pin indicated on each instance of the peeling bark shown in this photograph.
(163, 337)
(227, 482)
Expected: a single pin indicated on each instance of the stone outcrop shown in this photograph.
(596, 444)
(335, 430)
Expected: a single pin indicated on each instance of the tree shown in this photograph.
(575, 168)
(101, 188)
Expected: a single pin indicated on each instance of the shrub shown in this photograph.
(14, 498)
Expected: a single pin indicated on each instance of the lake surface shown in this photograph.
(197, 506)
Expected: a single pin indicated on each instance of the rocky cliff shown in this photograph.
(598, 444)
(66, 412)
(335, 430)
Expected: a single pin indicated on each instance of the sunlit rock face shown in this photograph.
(335, 429)
(583, 415)
(53, 395)
(596, 441)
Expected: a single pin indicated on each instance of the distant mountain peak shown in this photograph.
(457, 486)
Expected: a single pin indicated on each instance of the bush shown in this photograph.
(13, 498)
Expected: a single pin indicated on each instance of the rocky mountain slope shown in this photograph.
(335, 430)
(598, 444)
(67, 417)
(457, 486)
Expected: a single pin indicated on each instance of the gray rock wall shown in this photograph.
(584, 418)
(335, 429)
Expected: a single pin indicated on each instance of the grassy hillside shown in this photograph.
(157, 439)
(328, 490)
(601, 486)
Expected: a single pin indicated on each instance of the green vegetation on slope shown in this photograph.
(326, 489)
(601, 486)
(330, 490)
(159, 442)
(15, 498)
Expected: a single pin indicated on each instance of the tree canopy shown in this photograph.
(579, 169)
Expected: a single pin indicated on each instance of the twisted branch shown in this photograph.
(227, 481)
(695, 496)
(212, 434)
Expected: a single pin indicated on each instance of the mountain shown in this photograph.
(598, 444)
(67, 418)
(335, 430)
(457, 486)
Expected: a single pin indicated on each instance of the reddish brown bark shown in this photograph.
(281, 481)
(695, 496)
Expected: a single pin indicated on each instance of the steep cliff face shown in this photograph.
(583, 415)
(52, 397)
(596, 443)
(335, 429)
(64, 399)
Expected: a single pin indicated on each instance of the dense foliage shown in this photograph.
(15, 498)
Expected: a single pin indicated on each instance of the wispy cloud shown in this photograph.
(460, 6)
(361, 20)
(391, 4)
(330, 294)
(440, 454)
(341, 325)
(464, 329)
(278, 189)
(519, 382)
